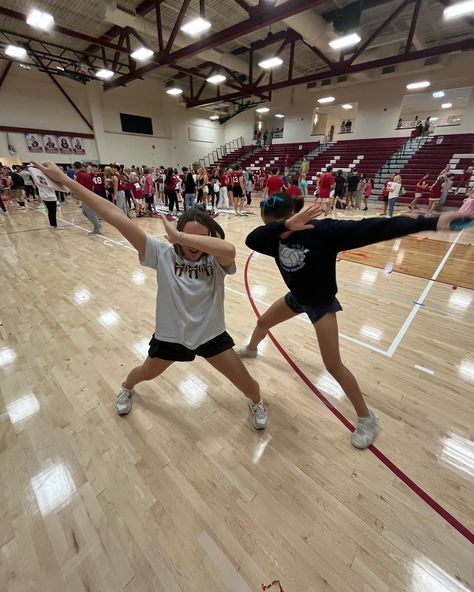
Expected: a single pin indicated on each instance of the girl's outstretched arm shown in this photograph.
(102, 207)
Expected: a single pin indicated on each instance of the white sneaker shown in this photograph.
(244, 352)
(364, 434)
(124, 400)
(259, 415)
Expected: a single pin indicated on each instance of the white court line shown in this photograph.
(423, 369)
(408, 321)
(304, 319)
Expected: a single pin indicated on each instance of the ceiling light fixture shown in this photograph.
(25, 66)
(216, 78)
(279, 115)
(416, 85)
(14, 51)
(142, 53)
(325, 100)
(104, 74)
(270, 63)
(439, 94)
(173, 89)
(263, 109)
(346, 106)
(40, 20)
(459, 9)
(346, 41)
(196, 26)
(446, 105)
(214, 117)
(60, 68)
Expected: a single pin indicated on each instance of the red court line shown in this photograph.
(421, 493)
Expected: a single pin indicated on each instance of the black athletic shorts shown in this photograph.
(176, 352)
(237, 191)
(315, 312)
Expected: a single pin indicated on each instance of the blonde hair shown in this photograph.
(108, 171)
(397, 179)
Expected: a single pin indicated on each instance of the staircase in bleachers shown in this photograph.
(278, 155)
(456, 150)
(366, 156)
(234, 157)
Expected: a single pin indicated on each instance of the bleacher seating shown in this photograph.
(366, 156)
(432, 158)
(235, 155)
(280, 155)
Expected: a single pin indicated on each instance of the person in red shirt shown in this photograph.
(326, 185)
(436, 190)
(170, 190)
(98, 184)
(274, 184)
(137, 193)
(85, 179)
(296, 194)
(228, 183)
(421, 186)
(238, 191)
(120, 182)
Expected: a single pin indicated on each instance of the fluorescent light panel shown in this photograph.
(346, 41)
(196, 26)
(325, 100)
(40, 20)
(142, 53)
(438, 94)
(216, 78)
(415, 85)
(174, 90)
(279, 115)
(270, 63)
(459, 9)
(446, 105)
(104, 74)
(346, 106)
(263, 110)
(14, 51)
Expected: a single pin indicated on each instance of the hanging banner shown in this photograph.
(50, 144)
(34, 143)
(78, 146)
(65, 145)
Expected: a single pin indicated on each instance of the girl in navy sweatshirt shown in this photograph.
(305, 252)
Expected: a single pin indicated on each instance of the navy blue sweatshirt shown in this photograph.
(307, 258)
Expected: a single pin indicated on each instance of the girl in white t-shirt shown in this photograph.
(191, 266)
(394, 188)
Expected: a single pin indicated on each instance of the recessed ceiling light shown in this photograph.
(438, 94)
(446, 105)
(263, 110)
(104, 74)
(459, 9)
(346, 106)
(174, 90)
(40, 20)
(279, 115)
(216, 78)
(196, 26)
(14, 51)
(214, 117)
(346, 41)
(60, 68)
(415, 85)
(324, 100)
(270, 63)
(142, 53)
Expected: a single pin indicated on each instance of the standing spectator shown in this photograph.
(137, 192)
(274, 184)
(265, 137)
(426, 126)
(339, 189)
(98, 181)
(286, 178)
(394, 189)
(466, 177)
(296, 195)
(436, 190)
(148, 187)
(360, 190)
(326, 185)
(189, 187)
(85, 179)
(29, 184)
(421, 186)
(223, 197)
(16, 188)
(348, 126)
(304, 166)
(303, 185)
(447, 185)
(170, 191)
(49, 198)
(368, 192)
(352, 183)
(385, 192)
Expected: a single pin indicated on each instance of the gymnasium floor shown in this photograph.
(183, 495)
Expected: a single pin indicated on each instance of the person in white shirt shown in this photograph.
(48, 197)
(394, 189)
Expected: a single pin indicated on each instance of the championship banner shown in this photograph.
(50, 144)
(34, 143)
(78, 146)
(65, 145)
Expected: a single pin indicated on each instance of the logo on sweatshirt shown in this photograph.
(292, 258)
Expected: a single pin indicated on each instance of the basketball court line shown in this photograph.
(419, 491)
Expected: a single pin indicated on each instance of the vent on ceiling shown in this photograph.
(123, 8)
(342, 79)
(311, 85)
(432, 61)
(388, 70)
(326, 82)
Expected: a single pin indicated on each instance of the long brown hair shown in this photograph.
(197, 215)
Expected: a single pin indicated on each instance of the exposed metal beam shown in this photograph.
(159, 26)
(340, 69)
(320, 54)
(414, 20)
(261, 17)
(390, 18)
(5, 72)
(176, 26)
(244, 5)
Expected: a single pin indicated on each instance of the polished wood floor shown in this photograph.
(183, 495)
